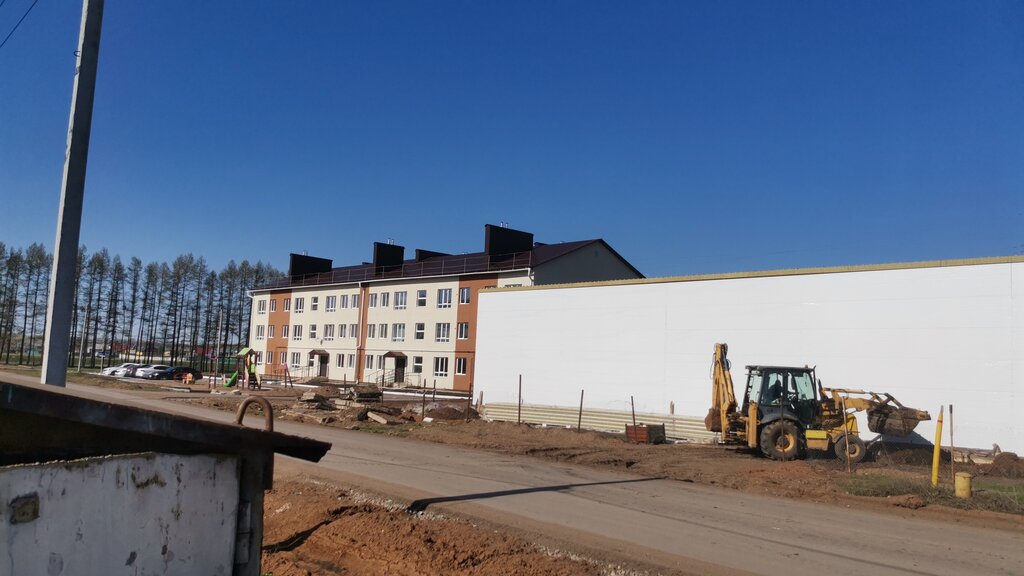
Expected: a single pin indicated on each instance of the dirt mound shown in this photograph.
(905, 454)
(316, 528)
(450, 413)
(1006, 465)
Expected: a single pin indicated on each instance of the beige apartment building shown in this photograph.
(410, 322)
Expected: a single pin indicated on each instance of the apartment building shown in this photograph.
(407, 321)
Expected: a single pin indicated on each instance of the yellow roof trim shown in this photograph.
(782, 272)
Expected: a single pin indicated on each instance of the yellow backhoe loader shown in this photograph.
(786, 411)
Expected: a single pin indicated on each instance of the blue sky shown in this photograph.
(693, 137)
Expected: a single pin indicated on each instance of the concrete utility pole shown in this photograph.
(69, 219)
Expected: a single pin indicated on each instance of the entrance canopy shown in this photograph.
(318, 352)
(395, 354)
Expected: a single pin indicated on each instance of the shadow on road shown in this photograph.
(421, 505)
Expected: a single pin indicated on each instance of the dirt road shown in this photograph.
(673, 525)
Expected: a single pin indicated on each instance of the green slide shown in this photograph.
(231, 381)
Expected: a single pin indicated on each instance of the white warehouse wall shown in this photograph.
(931, 335)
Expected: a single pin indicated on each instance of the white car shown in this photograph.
(145, 372)
(117, 370)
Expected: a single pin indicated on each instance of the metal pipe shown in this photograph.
(579, 421)
(936, 453)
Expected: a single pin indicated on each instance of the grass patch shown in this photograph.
(988, 494)
(400, 430)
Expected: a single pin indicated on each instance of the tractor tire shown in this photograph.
(780, 440)
(856, 447)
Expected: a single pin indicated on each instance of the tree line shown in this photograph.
(178, 313)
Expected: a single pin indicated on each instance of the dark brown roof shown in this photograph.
(443, 265)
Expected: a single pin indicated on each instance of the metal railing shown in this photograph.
(446, 265)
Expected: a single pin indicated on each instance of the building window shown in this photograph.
(398, 332)
(371, 331)
(339, 360)
(313, 303)
(259, 332)
(383, 331)
(420, 330)
(261, 306)
(463, 331)
(342, 330)
(354, 329)
(332, 303)
(287, 304)
(312, 331)
(421, 297)
(344, 301)
(273, 307)
(328, 331)
(296, 358)
(384, 299)
(297, 332)
(352, 360)
(259, 358)
(284, 358)
(355, 300)
(400, 300)
(460, 365)
(270, 331)
(380, 362)
(442, 332)
(463, 295)
(369, 361)
(417, 364)
(300, 305)
(444, 298)
(440, 366)
(373, 300)
(284, 334)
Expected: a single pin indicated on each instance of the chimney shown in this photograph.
(387, 257)
(422, 255)
(499, 240)
(301, 265)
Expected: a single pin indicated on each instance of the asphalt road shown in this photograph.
(674, 525)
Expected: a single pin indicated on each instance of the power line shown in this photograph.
(25, 15)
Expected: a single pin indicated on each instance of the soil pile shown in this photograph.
(1006, 465)
(317, 528)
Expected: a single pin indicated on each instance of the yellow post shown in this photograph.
(938, 449)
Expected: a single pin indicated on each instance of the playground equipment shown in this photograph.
(245, 365)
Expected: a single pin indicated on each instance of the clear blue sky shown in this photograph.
(693, 137)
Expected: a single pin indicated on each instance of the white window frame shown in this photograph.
(283, 358)
(382, 331)
(444, 297)
(339, 360)
(259, 358)
(420, 331)
(273, 307)
(385, 299)
(372, 302)
(441, 366)
(443, 332)
(460, 365)
(398, 332)
(462, 331)
(329, 332)
(344, 301)
(400, 300)
(300, 305)
(380, 361)
(332, 303)
(270, 331)
(371, 331)
(312, 332)
(355, 300)
(284, 333)
(297, 332)
(287, 304)
(352, 360)
(296, 359)
(369, 362)
(421, 298)
(261, 306)
(259, 331)
(417, 364)
(342, 330)
(314, 303)
(464, 295)
(354, 329)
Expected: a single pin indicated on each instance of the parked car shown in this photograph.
(117, 370)
(134, 370)
(173, 373)
(148, 372)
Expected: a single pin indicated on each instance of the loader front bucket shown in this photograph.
(895, 421)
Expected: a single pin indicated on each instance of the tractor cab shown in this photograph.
(783, 393)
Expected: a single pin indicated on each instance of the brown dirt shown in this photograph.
(314, 527)
(1006, 465)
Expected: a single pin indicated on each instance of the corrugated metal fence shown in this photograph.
(678, 427)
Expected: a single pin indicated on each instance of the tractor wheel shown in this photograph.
(780, 440)
(856, 448)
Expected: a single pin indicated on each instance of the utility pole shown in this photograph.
(69, 219)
